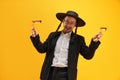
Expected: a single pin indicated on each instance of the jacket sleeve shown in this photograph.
(88, 51)
(40, 47)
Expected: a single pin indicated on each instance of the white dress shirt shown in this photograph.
(61, 51)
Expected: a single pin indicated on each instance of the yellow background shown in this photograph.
(20, 61)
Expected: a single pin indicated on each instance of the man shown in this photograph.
(62, 48)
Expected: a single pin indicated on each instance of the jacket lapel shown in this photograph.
(71, 43)
(54, 39)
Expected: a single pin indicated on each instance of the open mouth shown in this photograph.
(68, 28)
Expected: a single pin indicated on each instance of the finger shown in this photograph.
(33, 28)
(95, 36)
(100, 34)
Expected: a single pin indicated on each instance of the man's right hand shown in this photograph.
(34, 32)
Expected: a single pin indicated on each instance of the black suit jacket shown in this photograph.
(77, 45)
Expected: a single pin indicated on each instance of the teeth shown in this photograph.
(67, 28)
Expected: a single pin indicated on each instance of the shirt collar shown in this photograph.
(66, 34)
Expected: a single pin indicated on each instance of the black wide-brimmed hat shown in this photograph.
(61, 16)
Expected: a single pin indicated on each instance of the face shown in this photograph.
(68, 24)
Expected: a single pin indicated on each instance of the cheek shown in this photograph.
(64, 25)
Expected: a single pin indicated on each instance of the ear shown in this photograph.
(76, 23)
(76, 30)
(63, 20)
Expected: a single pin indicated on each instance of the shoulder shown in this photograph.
(79, 36)
(54, 34)
(80, 39)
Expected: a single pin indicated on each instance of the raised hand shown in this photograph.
(97, 37)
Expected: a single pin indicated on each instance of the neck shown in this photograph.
(66, 32)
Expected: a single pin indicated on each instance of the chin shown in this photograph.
(66, 31)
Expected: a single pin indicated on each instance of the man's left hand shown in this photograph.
(97, 37)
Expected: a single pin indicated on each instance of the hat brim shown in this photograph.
(80, 22)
